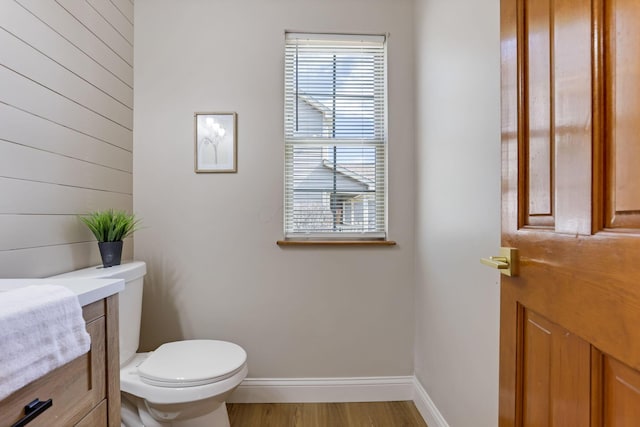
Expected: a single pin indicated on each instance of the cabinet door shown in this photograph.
(96, 418)
(75, 388)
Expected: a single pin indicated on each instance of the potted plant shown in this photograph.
(110, 227)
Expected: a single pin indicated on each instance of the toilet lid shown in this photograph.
(192, 363)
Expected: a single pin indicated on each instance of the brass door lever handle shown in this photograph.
(506, 262)
(498, 262)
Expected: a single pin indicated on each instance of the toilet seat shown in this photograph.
(192, 363)
(131, 383)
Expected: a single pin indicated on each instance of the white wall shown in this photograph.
(210, 239)
(458, 207)
(66, 99)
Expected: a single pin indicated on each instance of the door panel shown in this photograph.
(569, 334)
(540, 147)
(623, 110)
(556, 374)
(572, 127)
(556, 104)
(622, 401)
(537, 372)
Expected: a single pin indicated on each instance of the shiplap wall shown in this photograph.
(66, 120)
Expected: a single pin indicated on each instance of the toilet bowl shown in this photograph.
(180, 384)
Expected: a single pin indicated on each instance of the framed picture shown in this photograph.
(216, 142)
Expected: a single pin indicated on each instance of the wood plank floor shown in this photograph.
(361, 414)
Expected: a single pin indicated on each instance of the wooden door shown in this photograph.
(570, 323)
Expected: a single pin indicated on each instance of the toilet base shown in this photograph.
(137, 413)
(217, 418)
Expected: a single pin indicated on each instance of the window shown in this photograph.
(335, 136)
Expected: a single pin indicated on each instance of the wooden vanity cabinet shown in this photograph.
(86, 391)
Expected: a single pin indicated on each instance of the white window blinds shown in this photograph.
(335, 136)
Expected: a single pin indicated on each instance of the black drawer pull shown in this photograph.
(32, 410)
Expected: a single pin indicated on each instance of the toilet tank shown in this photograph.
(130, 300)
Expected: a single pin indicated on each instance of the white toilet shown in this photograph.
(180, 384)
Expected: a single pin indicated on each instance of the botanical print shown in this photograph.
(215, 142)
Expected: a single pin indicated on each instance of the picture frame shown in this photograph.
(216, 142)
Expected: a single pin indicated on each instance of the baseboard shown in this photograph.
(288, 390)
(361, 389)
(426, 407)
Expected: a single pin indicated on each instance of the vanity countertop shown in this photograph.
(87, 290)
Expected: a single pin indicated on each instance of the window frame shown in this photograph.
(378, 143)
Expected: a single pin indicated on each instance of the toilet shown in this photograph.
(180, 384)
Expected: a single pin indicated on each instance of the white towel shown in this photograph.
(41, 328)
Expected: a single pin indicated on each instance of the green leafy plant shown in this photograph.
(110, 225)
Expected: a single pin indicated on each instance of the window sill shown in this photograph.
(336, 243)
